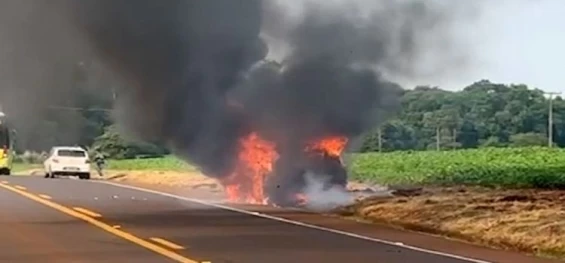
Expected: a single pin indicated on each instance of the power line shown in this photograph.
(77, 108)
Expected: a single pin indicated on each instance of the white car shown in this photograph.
(67, 161)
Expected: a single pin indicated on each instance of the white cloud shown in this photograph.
(512, 41)
(515, 41)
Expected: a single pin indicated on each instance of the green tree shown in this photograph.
(113, 145)
(483, 114)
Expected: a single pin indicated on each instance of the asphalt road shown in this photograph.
(65, 220)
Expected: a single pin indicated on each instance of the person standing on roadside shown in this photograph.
(99, 161)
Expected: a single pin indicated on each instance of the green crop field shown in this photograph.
(20, 167)
(510, 167)
(168, 163)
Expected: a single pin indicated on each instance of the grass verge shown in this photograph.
(169, 163)
(530, 221)
(22, 167)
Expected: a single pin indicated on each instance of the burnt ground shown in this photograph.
(529, 220)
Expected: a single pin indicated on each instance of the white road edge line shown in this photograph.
(297, 223)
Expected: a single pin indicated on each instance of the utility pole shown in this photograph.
(454, 134)
(550, 119)
(380, 139)
(438, 139)
(55, 107)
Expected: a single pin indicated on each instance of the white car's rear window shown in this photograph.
(71, 153)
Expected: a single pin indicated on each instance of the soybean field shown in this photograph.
(531, 167)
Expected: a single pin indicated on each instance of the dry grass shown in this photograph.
(193, 180)
(526, 220)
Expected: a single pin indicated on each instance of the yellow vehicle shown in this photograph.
(6, 147)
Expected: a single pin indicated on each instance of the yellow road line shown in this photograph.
(87, 212)
(125, 235)
(45, 197)
(166, 243)
(20, 187)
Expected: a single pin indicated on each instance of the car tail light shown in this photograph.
(5, 151)
(55, 160)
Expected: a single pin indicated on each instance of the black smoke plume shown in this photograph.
(37, 54)
(179, 58)
(198, 76)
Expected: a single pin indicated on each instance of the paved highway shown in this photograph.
(64, 220)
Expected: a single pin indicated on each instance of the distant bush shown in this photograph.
(114, 146)
(29, 157)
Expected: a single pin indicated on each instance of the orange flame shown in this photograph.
(332, 146)
(255, 162)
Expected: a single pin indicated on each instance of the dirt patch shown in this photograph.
(187, 180)
(526, 220)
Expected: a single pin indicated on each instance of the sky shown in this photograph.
(506, 41)
(519, 41)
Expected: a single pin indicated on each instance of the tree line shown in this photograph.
(484, 114)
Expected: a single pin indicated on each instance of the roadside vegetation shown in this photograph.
(30, 160)
(22, 167)
(166, 163)
(524, 167)
(510, 198)
(526, 220)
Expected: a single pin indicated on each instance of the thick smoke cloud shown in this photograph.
(198, 79)
(198, 75)
(178, 59)
(326, 84)
(38, 52)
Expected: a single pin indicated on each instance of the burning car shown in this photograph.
(288, 189)
(262, 175)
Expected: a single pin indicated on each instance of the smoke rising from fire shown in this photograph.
(183, 59)
(37, 53)
(200, 74)
(322, 199)
(178, 58)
